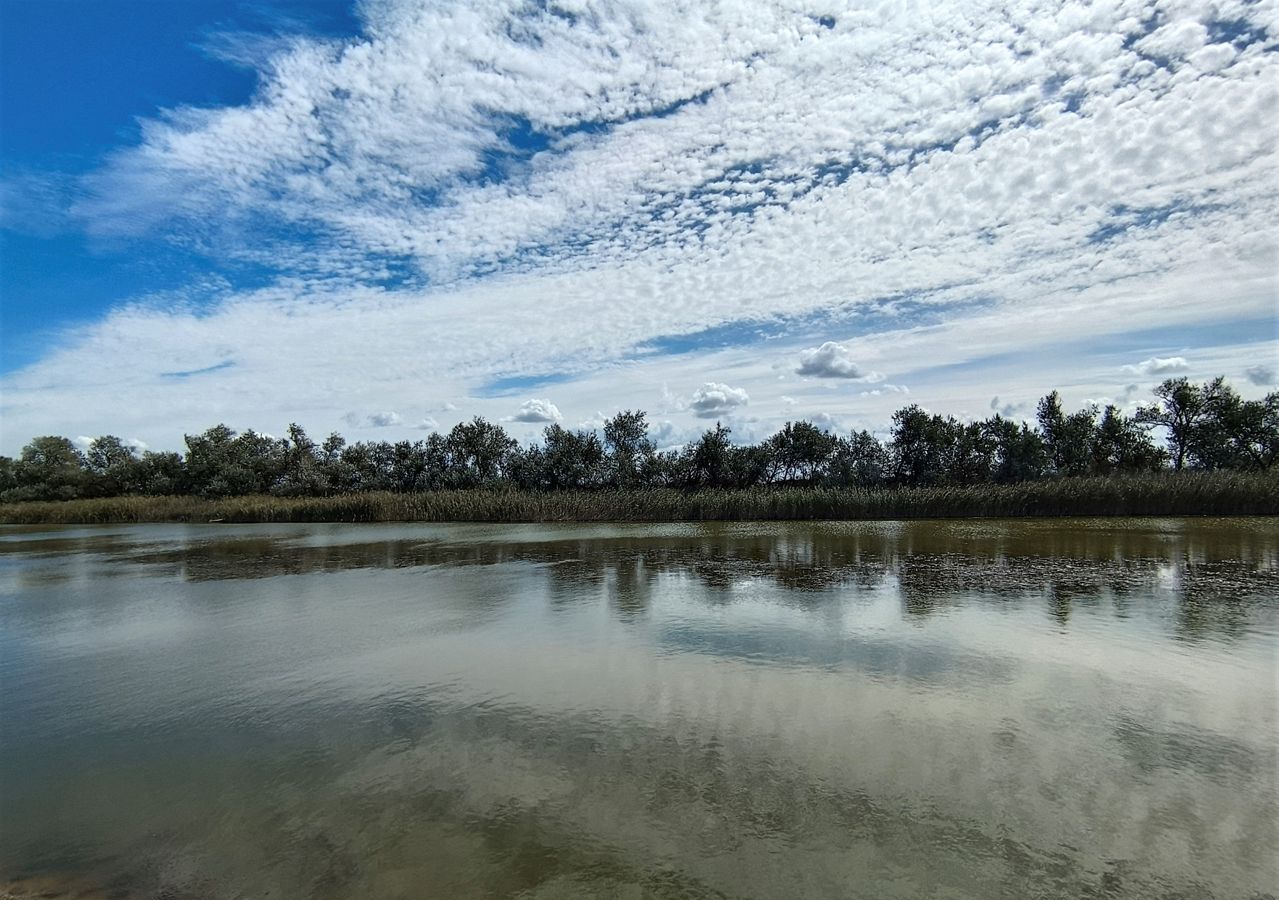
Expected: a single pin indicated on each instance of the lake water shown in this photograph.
(976, 709)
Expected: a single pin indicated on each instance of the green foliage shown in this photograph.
(1153, 494)
(1068, 440)
(630, 452)
(1208, 427)
(801, 451)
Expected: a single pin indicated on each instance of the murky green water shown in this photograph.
(1063, 709)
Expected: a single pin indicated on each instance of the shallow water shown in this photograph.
(1069, 708)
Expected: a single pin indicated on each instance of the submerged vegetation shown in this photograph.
(1218, 457)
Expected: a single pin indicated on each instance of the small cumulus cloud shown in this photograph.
(1260, 375)
(537, 410)
(826, 421)
(1007, 410)
(714, 399)
(664, 435)
(427, 424)
(885, 389)
(593, 423)
(833, 360)
(83, 442)
(385, 419)
(1159, 365)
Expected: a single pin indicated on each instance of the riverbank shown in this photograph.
(1187, 494)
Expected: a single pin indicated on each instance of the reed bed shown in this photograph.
(1186, 494)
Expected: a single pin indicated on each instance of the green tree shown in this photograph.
(1019, 453)
(162, 474)
(706, 461)
(113, 467)
(1255, 433)
(919, 446)
(8, 475)
(628, 446)
(859, 460)
(50, 468)
(1068, 440)
(478, 452)
(571, 459)
(221, 463)
(1179, 408)
(801, 451)
(1120, 444)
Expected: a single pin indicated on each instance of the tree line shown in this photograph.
(1204, 426)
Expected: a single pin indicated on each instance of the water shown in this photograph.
(1076, 708)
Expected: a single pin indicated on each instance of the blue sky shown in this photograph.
(388, 217)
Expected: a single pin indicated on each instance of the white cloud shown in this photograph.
(1028, 177)
(384, 419)
(427, 424)
(885, 389)
(827, 422)
(537, 410)
(833, 360)
(1159, 366)
(714, 399)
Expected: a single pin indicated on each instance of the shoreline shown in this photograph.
(1167, 494)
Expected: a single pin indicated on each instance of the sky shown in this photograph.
(386, 217)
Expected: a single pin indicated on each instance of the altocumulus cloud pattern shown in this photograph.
(469, 207)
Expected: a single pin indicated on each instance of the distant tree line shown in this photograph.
(1203, 426)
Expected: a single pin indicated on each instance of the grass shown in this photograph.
(1186, 494)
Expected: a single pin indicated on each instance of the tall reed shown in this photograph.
(1185, 494)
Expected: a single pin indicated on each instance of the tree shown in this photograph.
(969, 452)
(628, 446)
(571, 459)
(1255, 433)
(478, 452)
(50, 468)
(222, 464)
(8, 475)
(1068, 440)
(919, 447)
(162, 474)
(1019, 452)
(113, 467)
(801, 451)
(1178, 407)
(706, 461)
(749, 466)
(1121, 445)
(859, 460)
(303, 474)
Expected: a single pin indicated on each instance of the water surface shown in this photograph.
(1070, 708)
